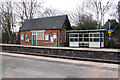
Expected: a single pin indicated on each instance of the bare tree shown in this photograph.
(51, 12)
(79, 16)
(118, 10)
(7, 18)
(27, 9)
(99, 8)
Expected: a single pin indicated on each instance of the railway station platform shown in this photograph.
(93, 54)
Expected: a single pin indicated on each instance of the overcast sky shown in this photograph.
(63, 4)
(68, 4)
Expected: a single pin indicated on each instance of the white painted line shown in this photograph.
(63, 60)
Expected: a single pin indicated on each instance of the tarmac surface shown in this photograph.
(28, 66)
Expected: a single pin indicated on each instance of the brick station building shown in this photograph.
(48, 31)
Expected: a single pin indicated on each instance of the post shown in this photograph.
(100, 39)
(68, 39)
(109, 34)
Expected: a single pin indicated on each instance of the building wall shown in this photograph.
(48, 42)
(41, 42)
(63, 38)
(23, 42)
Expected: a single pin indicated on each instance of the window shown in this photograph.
(102, 39)
(74, 40)
(96, 35)
(91, 35)
(26, 37)
(86, 35)
(73, 35)
(80, 39)
(86, 39)
(91, 39)
(40, 35)
(96, 39)
(80, 35)
(51, 37)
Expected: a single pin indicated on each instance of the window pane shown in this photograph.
(96, 35)
(73, 39)
(40, 35)
(80, 39)
(76, 39)
(102, 35)
(86, 39)
(25, 36)
(80, 35)
(91, 40)
(102, 39)
(85, 35)
(73, 35)
(96, 39)
(91, 35)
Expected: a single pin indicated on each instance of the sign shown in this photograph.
(54, 36)
(46, 37)
(16, 33)
(22, 37)
(110, 30)
(61, 37)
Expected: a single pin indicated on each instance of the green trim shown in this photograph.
(100, 39)
(68, 39)
(117, 43)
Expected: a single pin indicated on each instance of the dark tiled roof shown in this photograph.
(55, 22)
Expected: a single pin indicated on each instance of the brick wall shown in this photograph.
(23, 42)
(42, 42)
(61, 41)
(48, 42)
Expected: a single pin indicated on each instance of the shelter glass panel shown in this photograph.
(73, 39)
(73, 35)
(86, 35)
(96, 39)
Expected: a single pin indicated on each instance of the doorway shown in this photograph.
(34, 40)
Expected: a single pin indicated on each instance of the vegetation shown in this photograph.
(86, 25)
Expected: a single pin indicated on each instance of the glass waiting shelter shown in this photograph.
(86, 38)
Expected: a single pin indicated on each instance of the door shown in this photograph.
(34, 40)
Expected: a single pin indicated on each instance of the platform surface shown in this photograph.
(28, 66)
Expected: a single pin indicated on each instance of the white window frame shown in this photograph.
(40, 35)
